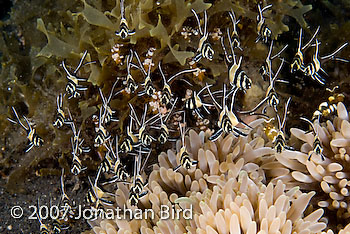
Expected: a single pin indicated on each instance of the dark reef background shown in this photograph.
(37, 35)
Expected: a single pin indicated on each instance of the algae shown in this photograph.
(292, 8)
(180, 56)
(54, 45)
(95, 75)
(160, 32)
(96, 17)
(86, 110)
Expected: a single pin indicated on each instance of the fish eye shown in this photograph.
(261, 70)
(249, 83)
(124, 35)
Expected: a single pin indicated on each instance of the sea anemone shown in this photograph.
(332, 174)
(227, 192)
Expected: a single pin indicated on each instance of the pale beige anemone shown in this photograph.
(227, 190)
(331, 176)
(239, 205)
(346, 230)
